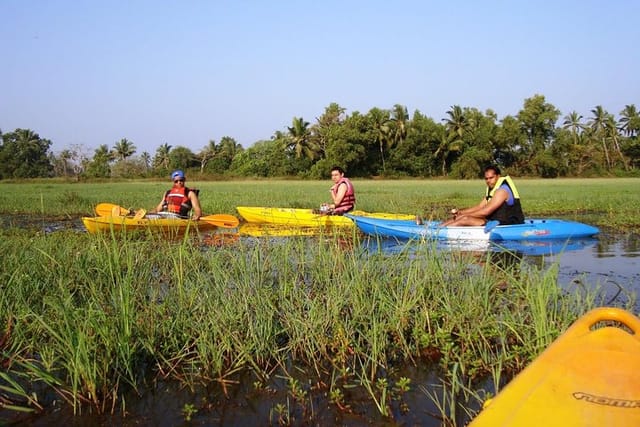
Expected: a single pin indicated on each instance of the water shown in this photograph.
(609, 261)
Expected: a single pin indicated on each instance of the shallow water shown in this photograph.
(609, 261)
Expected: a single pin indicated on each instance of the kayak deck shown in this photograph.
(295, 217)
(589, 376)
(532, 229)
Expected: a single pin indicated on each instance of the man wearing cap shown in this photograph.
(180, 199)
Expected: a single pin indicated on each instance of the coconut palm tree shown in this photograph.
(598, 129)
(399, 120)
(630, 120)
(448, 143)
(162, 159)
(573, 122)
(300, 138)
(457, 122)
(611, 130)
(228, 147)
(380, 122)
(124, 148)
(146, 159)
(206, 154)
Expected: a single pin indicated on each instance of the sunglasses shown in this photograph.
(178, 180)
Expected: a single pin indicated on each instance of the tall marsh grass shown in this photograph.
(93, 316)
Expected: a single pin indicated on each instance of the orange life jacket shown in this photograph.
(177, 200)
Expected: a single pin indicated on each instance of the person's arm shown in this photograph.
(485, 209)
(477, 215)
(339, 195)
(159, 207)
(470, 211)
(195, 203)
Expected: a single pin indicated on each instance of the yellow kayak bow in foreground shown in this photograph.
(589, 376)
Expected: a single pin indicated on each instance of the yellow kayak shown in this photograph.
(173, 226)
(589, 376)
(304, 217)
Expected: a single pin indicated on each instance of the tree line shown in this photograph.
(535, 142)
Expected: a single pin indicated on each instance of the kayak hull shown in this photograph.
(294, 217)
(173, 226)
(526, 247)
(532, 229)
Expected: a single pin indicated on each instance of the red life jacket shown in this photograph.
(177, 201)
(348, 201)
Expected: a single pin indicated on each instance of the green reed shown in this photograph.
(94, 316)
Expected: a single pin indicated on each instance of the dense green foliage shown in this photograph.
(23, 154)
(537, 142)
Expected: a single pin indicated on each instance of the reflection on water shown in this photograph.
(609, 261)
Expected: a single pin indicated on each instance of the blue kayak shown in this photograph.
(532, 229)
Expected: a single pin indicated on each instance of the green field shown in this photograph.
(602, 202)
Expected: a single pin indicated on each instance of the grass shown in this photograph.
(91, 317)
(613, 202)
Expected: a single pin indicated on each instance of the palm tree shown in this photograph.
(597, 126)
(612, 133)
(162, 158)
(448, 143)
(300, 138)
(124, 148)
(457, 122)
(630, 120)
(146, 159)
(381, 130)
(206, 154)
(228, 147)
(399, 119)
(573, 122)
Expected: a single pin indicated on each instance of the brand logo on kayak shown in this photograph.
(536, 233)
(608, 401)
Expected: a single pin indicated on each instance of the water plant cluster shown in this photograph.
(88, 320)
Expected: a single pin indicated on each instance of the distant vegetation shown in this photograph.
(537, 142)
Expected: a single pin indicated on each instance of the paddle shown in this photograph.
(490, 225)
(221, 220)
(110, 209)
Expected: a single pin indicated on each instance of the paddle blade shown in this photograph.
(140, 214)
(110, 209)
(490, 225)
(221, 220)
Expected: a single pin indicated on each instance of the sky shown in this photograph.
(85, 73)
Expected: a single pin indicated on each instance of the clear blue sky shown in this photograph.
(184, 72)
